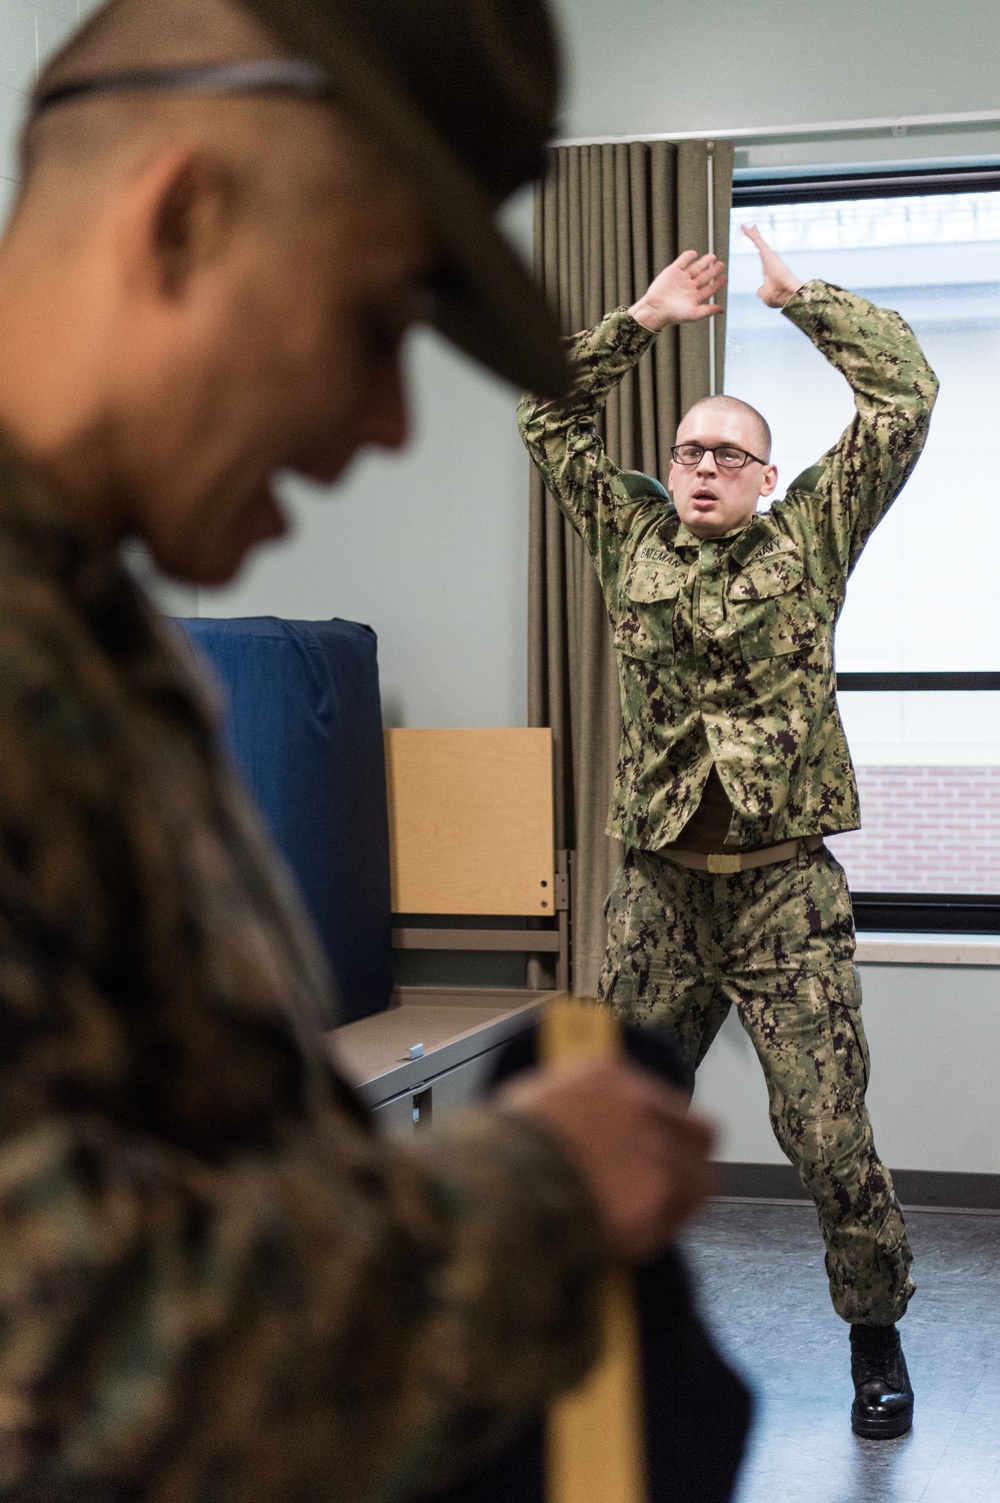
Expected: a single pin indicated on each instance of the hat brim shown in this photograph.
(488, 304)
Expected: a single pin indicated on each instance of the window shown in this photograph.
(918, 645)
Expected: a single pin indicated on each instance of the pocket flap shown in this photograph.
(764, 578)
(651, 582)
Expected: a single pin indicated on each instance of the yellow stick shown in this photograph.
(595, 1444)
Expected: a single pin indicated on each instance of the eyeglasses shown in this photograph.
(726, 456)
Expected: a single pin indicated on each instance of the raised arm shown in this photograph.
(561, 437)
(847, 493)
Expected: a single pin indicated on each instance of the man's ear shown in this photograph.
(769, 479)
(183, 212)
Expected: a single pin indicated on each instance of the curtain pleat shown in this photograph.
(607, 218)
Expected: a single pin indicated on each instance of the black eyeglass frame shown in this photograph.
(705, 449)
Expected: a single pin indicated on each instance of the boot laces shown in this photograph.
(882, 1364)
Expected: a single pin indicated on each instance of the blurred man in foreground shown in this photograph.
(217, 1282)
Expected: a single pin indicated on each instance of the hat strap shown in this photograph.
(292, 74)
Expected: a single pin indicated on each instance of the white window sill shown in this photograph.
(928, 949)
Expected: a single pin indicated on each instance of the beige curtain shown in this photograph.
(607, 218)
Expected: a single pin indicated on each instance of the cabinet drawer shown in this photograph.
(444, 1093)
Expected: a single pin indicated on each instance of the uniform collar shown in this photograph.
(685, 539)
(754, 535)
(742, 542)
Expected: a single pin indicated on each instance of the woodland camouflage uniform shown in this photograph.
(216, 1281)
(726, 666)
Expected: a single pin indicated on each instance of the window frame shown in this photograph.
(827, 187)
(897, 912)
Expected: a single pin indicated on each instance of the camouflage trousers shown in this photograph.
(778, 944)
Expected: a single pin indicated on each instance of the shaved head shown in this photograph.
(126, 32)
(759, 433)
(200, 289)
(132, 34)
(268, 147)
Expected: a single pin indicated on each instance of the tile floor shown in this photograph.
(760, 1265)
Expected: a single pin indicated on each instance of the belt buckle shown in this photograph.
(725, 866)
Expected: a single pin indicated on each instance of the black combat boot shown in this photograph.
(883, 1398)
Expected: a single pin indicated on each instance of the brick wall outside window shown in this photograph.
(925, 829)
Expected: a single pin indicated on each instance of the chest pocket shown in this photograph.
(645, 626)
(770, 607)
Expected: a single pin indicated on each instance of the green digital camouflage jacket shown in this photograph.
(217, 1283)
(725, 647)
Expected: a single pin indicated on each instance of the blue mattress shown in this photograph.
(304, 725)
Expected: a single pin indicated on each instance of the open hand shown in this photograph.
(682, 293)
(780, 283)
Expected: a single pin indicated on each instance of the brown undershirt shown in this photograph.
(706, 830)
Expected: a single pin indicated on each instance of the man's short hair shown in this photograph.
(734, 404)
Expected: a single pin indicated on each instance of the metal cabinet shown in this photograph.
(406, 1113)
(432, 1052)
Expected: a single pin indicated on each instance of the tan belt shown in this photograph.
(727, 864)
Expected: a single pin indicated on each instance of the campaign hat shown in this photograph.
(460, 96)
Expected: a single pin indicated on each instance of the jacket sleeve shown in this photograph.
(846, 495)
(212, 1284)
(338, 1310)
(597, 497)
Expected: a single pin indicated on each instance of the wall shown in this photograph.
(30, 30)
(642, 66)
(430, 547)
(932, 1032)
(954, 845)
